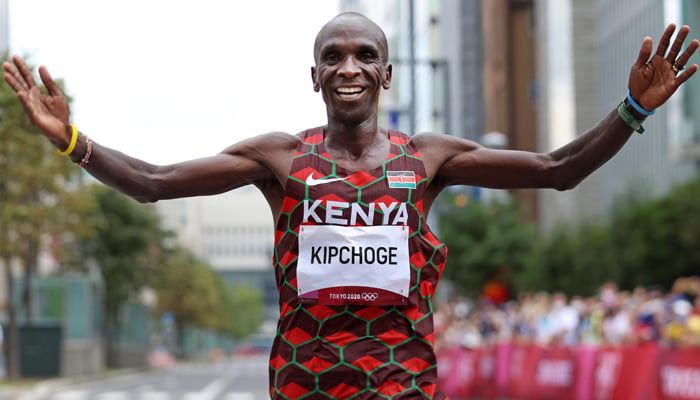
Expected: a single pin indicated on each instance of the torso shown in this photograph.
(284, 147)
(355, 347)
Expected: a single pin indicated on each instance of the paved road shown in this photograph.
(240, 379)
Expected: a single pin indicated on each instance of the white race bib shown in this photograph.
(354, 264)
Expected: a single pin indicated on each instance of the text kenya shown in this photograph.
(345, 213)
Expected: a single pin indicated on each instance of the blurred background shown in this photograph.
(93, 281)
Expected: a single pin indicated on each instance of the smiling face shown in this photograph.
(351, 69)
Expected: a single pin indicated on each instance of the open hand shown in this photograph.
(653, 81)
(49, 112)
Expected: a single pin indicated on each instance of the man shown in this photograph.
(356, 265)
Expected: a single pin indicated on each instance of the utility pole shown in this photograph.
(412, 64)
(4, 27)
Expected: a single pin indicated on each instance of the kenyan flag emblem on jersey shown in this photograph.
(401, 179)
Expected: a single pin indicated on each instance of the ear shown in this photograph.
(387, 77)
(317, 87)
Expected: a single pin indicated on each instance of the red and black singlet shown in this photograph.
(357, 341)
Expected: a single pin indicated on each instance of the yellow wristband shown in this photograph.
(73, 141)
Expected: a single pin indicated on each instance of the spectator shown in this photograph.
(564, 320)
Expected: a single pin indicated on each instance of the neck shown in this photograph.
(352, 140)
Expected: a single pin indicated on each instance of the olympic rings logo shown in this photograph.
(370, 296)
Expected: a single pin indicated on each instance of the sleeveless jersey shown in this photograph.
(355, 351)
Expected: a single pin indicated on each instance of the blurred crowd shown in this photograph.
(611, 317)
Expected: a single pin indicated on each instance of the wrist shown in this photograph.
(79, 147)
(60, 142)
(636, 109)
(67, 149)
(628, 118)
(633, 111)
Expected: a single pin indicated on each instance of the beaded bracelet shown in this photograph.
(88, 152)
(629, 119)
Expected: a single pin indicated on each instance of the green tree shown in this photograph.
(126, 249)
(40, 203)
(573, 262)
(656, 241)
(243, 310)
(196, 295)
(481, 237)
(644, 242)
(188, 288)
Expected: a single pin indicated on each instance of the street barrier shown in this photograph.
(530, 372)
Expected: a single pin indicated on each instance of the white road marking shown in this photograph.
(154, 396)
(71, 395)
(113, 396)
(209, 392)
(240, 396)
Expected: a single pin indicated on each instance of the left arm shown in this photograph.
(469, 163)
(653, 79)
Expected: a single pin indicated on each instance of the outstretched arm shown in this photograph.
(653, 80)
(261, 159)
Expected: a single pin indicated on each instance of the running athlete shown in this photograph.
(355, 262)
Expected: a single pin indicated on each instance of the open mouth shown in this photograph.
(349, 92)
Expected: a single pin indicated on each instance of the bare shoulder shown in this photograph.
(272, 142)
(268, 149)
(439, 148)
(272, 152)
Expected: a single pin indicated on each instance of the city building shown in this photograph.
(465, 68)
(568, 99)
(233, 232)
(538, 73)
(418, 99)
(4, 27)
(585, 52)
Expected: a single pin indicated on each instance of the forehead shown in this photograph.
(349, 30)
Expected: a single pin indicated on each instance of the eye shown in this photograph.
(331, 58)
(368, 56)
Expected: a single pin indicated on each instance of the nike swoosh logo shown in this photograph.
(311, 181)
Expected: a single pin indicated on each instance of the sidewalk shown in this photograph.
(7, 393)
(16, 390)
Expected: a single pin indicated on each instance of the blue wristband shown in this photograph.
(637, 107)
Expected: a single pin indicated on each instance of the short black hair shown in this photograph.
(353, 14)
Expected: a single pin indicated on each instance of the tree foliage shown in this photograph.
(40, 202)
(127, 244)
(125, 249)
(480, 238)
(572, 262)
(196, 295)
(243, 310)
(643, 242)
(188, 288)
(656, 241)
(40, 191)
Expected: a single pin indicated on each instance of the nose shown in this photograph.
(349, 67)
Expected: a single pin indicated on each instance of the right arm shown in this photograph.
(258, 161)
(251, 161)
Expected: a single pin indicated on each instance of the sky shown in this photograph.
(172, 80)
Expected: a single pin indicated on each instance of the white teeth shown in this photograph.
(349, 90)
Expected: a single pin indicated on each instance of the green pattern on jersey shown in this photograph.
(355, 351)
